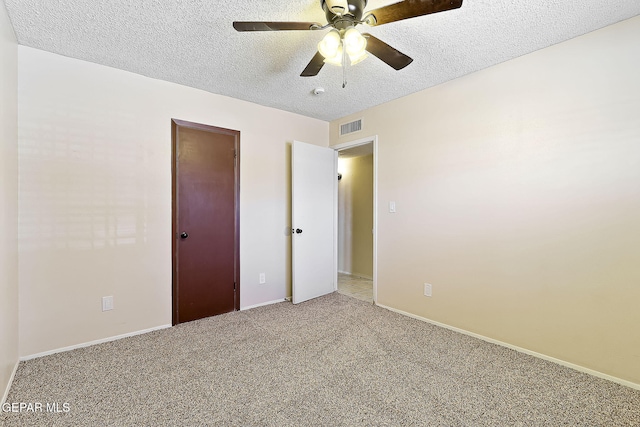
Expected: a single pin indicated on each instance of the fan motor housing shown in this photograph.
(356, 8)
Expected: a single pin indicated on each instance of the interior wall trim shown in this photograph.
(6, 391)
(90, 343)
(362, 276)
(264, 303)
(519, 349)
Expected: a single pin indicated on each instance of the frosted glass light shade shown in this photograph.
(354, 42)
(336, 59)
(359, 58)
(339, 7)
(330, 43)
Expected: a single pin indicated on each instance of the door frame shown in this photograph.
(175, 123)
(343, 146)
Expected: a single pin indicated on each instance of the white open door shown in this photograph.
(313, 191)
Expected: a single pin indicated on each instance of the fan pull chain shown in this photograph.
(344, 68)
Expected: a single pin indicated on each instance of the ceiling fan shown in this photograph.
(344, 41)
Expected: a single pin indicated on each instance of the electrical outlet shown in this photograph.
(427, 289)
(107, 303)
(263, 279)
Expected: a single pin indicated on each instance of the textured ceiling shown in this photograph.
(192, 42)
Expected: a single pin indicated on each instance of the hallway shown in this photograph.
(356, 287)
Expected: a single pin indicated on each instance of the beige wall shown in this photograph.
(8, 200)
(355, 216)
(95, 196)
(518, 198)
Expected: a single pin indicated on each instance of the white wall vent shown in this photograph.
(351, 127)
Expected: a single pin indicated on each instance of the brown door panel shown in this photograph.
(205, 207)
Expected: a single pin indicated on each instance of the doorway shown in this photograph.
(205, 223)
(356, 230)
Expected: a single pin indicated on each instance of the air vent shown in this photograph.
(351, 127)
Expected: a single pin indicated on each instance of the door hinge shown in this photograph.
(234, 286)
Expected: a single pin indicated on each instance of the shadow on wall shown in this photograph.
(80, 189)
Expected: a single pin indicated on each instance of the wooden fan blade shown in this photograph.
(274, 26)
(410, 9)
(314, 67)
(386, 53)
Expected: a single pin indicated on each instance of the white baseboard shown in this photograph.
(363, 276)
(6, 392)
(90, 343)
(263, 304)
(520, 349)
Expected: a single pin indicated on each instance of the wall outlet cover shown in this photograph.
(427, 289)
(107, 303)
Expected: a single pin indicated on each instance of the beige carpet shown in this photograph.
(333, 361)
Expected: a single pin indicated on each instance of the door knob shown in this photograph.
(298, 231)
(184, 235)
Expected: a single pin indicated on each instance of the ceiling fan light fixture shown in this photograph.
(335, 59)
(359, 58)
(330, 44)
(344, 40)
(354, 43)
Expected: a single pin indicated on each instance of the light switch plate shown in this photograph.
(392, 207)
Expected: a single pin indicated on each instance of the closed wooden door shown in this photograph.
(205, 221)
